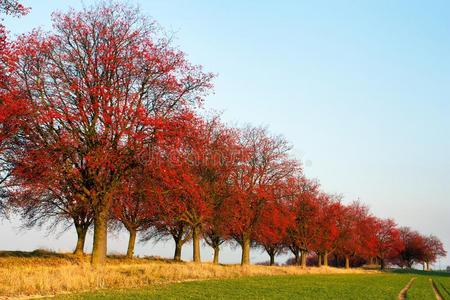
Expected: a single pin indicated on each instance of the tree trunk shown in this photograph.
(245, 260)
(196, 244)
(371, 260)
(303, 255)
(131, 242)
(325, 259)
(178, 246)
(81, 238)
(216, 255)
(382, 265)
(347, 262)
(272, 258)
(319, 260)
(100, 235)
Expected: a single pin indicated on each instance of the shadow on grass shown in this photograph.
(43, 254)
(420, 272)
(39, 253)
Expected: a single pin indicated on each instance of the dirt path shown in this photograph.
(404, 291)
(436, 291)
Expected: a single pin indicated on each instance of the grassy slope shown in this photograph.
(352, 286)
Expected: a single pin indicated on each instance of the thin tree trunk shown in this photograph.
(296, 257)
(245, 260)
(178, 247)
(216, 255)
(382, 265)
(347, 262)
(81, 239)
(325, 259)
(100, 235)
(196, 244)
(131, 242)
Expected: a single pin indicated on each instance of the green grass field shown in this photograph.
(443, 284)
(421, 289)
(350, 286)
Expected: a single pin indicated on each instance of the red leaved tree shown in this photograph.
(271, 230)
(356, 236)
(388, 243)
(133, 207)
(265, 163)
(434, 248)
(304, 208)
(217, 157)
(11, 105)
(327, 232)
(99, 86)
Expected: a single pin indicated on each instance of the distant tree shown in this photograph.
(165, 210)
(434, 249)
(265, 163)
(180, 180)
(271, 230)
(327, 233)
(414, 248)
(356, 235)
(132, 207)
(388, 243)
(304, 208)
(218, 159)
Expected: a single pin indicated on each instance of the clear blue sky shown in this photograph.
(362, 89)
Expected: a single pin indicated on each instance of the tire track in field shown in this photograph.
(436, 291)
(404, 291)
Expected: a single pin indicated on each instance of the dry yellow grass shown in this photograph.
(42, 273)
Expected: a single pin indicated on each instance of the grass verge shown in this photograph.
(44, 273)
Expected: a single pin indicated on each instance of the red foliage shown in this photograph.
(13, 7)
(388, 243)
(327, 233)
(98, 120)
(272, 227)
(11, 104)
(101, 87)
(433, 250)
(418, 249)
(304, 208)
(356, 235)
(264, 166)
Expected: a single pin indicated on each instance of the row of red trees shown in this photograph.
(100, 127)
